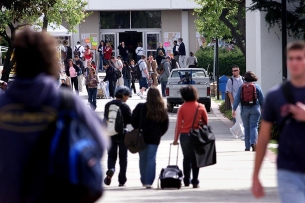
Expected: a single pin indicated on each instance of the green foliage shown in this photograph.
(226, 113)
(222, 19)
(227, 59)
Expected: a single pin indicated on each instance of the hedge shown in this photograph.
(227, 59)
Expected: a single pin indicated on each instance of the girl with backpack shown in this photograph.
(251, 98)
(154, 125)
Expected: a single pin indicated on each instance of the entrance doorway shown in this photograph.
(131, 39)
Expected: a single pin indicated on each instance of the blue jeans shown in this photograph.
(189, 160)
(92, 97)
(101, 68)
(113, 154)
(163, 87)
(291, 186)
(148, 164)
(250, 116)
(127, 83)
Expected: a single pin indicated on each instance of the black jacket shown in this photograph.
(176, 53)
(75, 67)
(123, 50)
(81, 65)
(152, 130)
(159, 59)
(182, 49)
(126, 71)
(110, 75)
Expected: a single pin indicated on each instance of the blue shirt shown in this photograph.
(291, 148)
(260, 97)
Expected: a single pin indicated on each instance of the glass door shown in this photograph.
(151, 41)
(111, 39)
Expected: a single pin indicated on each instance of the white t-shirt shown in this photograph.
(140, 51)
(142, 66)
(81, 50)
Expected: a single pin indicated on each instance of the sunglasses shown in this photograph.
(235, 70)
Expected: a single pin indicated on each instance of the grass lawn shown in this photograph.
(217, 101)
(273, 141)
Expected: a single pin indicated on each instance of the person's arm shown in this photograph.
(229, 89)
(236, 101)
(135, 120)
(261, 97)
(262, 143)
(205, 116)
(127, 114)
(178, 126)
(164, 126)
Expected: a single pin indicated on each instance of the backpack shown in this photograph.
(115, 121)
(137, 71)
(76, 51)
(233, 80)
(248, 96)
(69, 52)
(66, 159)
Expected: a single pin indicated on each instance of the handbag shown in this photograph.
(203, 140)
(134, 140)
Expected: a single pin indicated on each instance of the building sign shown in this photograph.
(168, 43)
(90, 39)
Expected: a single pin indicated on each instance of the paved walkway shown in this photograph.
(227, 181)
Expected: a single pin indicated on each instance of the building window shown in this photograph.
(115, 20)
(146, 19)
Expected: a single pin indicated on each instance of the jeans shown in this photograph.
(112, 85)
(238, 128)
(74, 82)
(107, 89)
(163, 87)
(189, 160)
(291, 186)
(133, 87)
(148, 164)
(250, 116)
(92, 97)
(113, 154)
(127, 83)
(125, 58)
(101, 68)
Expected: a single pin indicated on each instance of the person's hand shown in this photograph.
(175, 142)
(298, 111)
(257, 188)
(233, 114)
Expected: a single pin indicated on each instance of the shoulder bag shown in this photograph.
(134, 140)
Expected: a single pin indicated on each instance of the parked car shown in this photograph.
(188, 76)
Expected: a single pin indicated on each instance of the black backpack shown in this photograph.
(69, 52)
(117, 72)
(137, 71)
(76, 51)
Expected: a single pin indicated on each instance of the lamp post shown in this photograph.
(284, 39)
(217, 68)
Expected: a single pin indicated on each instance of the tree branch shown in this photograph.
(238, 37)
(20, 26)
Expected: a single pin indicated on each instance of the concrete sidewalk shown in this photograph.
(227, 181)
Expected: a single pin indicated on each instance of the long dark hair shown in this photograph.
(155, 105)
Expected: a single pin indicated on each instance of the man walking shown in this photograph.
(182, 53)
(80, 76)
(123, 51)
(145, 76)
(165, 74)
(176, 51)
(232, 87)
(117, 63)
(285, 105)
(152, 70)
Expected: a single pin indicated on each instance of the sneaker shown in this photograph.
(139, 94)
(149, 187)
(121, 185)
(195, 186)
(242, 137)
(253, 147)
(234, 135)
(109, 175)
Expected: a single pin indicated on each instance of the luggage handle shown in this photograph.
(170, 149)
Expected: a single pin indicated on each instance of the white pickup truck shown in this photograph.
(188, 76)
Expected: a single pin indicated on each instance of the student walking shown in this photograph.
(285, 105)
(232, 87)
(152, 70)
(139, 51)
(164, 74)
(117, 141)
(154, 125)
(123, 51)
(185, 120)
(176, 51)
(191, 61)
(107, 53)
(133, 80)
(72, 71)
(182, 53)
(145, 77)
(111, 78)
(101, 49)
(126, 71)
(92, 82)
(251, 98)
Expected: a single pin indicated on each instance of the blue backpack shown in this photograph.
(66, 160)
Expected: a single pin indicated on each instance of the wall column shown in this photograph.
(185, 30)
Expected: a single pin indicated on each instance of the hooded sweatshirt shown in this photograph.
(26, 110)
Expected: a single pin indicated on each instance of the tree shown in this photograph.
(26, 12)
(223, 19)
(295, 15)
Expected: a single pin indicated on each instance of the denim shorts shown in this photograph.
(143, 83)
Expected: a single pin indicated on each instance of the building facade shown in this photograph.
(134, 21)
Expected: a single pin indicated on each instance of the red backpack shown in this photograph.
(248, 96)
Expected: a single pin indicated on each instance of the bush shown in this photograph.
(226, 113)
(227, 59)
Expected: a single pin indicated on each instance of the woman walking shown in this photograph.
(107, 53)
(126, 71)
(250, 112)
(72, 71)
(154, 125)
(101, 49)
(185, 120)
(92, 82)
(191, 61)
(133, 80)
(88, 55)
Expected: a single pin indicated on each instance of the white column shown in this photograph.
(185, 30)
(75, 37)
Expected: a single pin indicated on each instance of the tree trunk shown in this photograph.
(45, 24)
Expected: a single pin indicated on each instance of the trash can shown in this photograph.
(222, 86)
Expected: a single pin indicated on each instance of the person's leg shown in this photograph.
(76, 85)
(163, 87)
(125, 82)
(123, 162)
(245, 115)
(101, 63)
(184, 142)
(112, 88)
(151, 164)
(133, 87)
(291, 186)
(90, 95)
(121, 81)
(142, 165)
(176, 58)
(195, 169)
(254, 119)
(80, 82)
(107, 89)
(94, 93)
(112, 157)
(238, 128)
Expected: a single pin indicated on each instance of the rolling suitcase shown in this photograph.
(171, 176)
